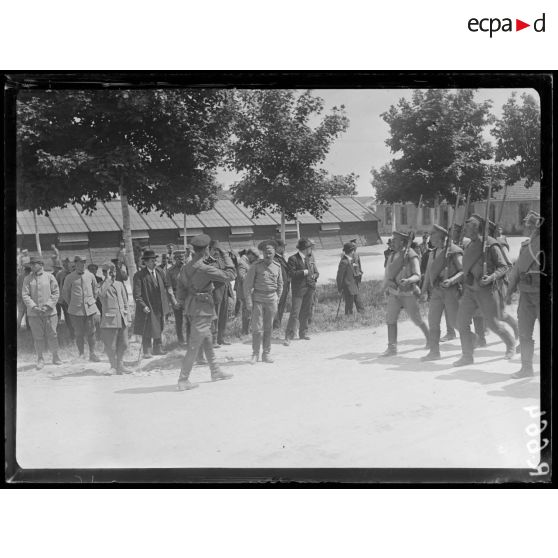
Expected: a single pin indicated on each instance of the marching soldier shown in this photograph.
(481, 291)
(443, 273)
(195, 294)
(525, 277)
(401, 280)
(263, 286)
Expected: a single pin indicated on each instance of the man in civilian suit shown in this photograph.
(347, 274)
(152, 292)
(303, 286)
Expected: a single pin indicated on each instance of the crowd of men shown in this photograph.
(467, 278)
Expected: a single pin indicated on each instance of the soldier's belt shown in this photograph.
(204, 297)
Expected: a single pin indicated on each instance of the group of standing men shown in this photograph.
(467, 282)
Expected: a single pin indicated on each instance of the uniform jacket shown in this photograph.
(440, 267)
(60, 278)
(299, 281)
(40, 290)
(114, 301)
(80, 293)
(266, 281)
(346, 278)
(172, 274)
(195, 286)
(473, 262)
(526, 272)
(148, 293)
(401, 265)
(242, 270)
(284, 268)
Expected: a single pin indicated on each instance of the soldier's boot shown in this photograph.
(120, 368)
(527, 351)
(448, 337)
(56, 359)
(40, 348)
(466, 338)
(254, 359)
(478, 323)
(392, 341)
(512, 322)
(424, 328)
(267, 359)
(80, 343)
(256, 346)
(434, 353)
(216, 373)
(158, 347)
(184, 382)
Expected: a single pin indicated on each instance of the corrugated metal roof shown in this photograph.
(67, 220)
(277, 218)
(338, 209)
(262, 220)
(100, 220)
(27, 223)
(136, 222)
(212, 219)
(157, 221)
(307, 219)
(329, 217)
(230, 212)
(352, 204)
(518, 192)
(191, 221)
(18, 228)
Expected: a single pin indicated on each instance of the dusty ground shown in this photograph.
(327, 402)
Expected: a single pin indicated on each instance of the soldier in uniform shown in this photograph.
(443, 273)
(401, 280)
(525, 277)
(387, 252)
(280, 259)
(244, 262)
(195, 294)
(481, 291)
(263, 286)
(172, 274)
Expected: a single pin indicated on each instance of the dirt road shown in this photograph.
(327, 402)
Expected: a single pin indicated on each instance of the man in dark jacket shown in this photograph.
(152, 292)
(347, 274)
(280, 259)
(303, 284)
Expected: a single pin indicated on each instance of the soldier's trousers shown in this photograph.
(282, 305)
(179, 324)
(245, 316)
(527, 312)
(115, 340)
(222, 319)
(487, 301)
(84, 327)
(200, 338)
(63, 307)
(300, 312)
(43, 330)
(396, 303)
(262, 325)
(442, 301)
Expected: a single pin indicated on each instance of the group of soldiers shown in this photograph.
(469, 282)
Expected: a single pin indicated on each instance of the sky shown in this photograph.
(363, 146)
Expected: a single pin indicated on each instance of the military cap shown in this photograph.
(401, 235)
(353, 240)
(178, 253)
(107, 265)
(475, 217)
(93, 265)
(279, 243)
(66, 260)
(35, 260)
(202, 240)
(440, 229)
(303, 243)
(533, 217)
(78, 259)
(265, 243)
(148, 255)
(348, 247)
(252, 251)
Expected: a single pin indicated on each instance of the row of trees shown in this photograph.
(160, 150)
(440, 144)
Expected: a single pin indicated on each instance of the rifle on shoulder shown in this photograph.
(466, 211)
(449, 238)
(485, 233)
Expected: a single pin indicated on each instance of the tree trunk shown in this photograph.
(283, 235)
(393, 224)
(297, 228)
(185, 234)
(37, 237)
(127, 232)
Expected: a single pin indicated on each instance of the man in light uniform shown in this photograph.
(263, 286)
(402, 276)
(195, 294)
(479, 291)
(444, 270)
(40, 294)
(244, 262)
(525, 277)
(173, 274)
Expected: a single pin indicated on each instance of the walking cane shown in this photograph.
(338, 306)
(140, 351)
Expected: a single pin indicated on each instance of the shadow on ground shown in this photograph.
(523, 389)
(80, 373)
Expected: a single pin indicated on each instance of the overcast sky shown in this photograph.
(363, 146)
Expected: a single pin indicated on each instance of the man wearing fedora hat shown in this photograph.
(481, 291)
(195, 294)
(442, 276)
(526, 277)
(347, 284)
(152, 292)
(40, 294)
(303, 285)
(402, 276)
(80, 293)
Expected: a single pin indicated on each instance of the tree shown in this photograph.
(438, 140)
(342, 185)
(156, 149)
(518, 135)
(279, 152)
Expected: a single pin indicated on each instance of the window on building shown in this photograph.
(403, 214)
(426, 216)
(524, 208)
(388, 215)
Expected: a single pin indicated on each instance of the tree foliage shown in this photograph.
(437, 138)
(342, 185)
(279, 151)
(518, 139)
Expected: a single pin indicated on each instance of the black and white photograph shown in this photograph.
(298, 274)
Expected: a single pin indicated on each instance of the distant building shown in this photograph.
(519, 201)
(97, 236)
